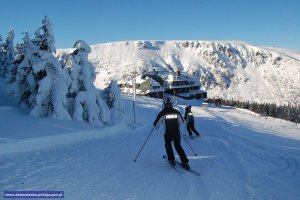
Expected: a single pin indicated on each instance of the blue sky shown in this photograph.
(273, 23)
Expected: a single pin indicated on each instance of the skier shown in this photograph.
(189, 118)
(173, 119)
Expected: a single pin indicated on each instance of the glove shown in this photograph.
(156, 127)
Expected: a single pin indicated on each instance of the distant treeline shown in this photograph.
(286, 112)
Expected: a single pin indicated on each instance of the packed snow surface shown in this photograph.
(240, 155)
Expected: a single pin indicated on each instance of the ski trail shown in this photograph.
(254, 157)
(240, 156)
(36, 143)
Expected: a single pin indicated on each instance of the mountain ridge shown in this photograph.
(227, 69)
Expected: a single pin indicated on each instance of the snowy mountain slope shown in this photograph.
(240, 156)
(230, 69)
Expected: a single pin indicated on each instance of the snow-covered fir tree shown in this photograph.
(13, 88)
(112, 96)
(87, 103)
(24, 85)
(46, 40)
(8, 55)
(1, 54)
(44, 86)
(52, 80)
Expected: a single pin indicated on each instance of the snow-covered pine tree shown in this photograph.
(13, 88)
(52, 80)
(8, 55)
(47, 39)
(87, 103)
(1, 55)
(112, 96)
(63, 58)
(24, 85)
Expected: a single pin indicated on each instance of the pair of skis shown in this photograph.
(181, 169)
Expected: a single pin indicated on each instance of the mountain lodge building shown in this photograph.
(155, 84)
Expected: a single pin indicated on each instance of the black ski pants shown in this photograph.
(177, 145)
(191, 127)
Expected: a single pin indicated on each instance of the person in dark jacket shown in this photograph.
(172, 119)
(190, 124)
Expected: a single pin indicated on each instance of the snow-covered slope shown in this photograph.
(240, 156)
(230, 69)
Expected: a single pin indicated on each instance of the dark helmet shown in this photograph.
(168, 102)
(188, 108)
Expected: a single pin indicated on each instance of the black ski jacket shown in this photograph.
(188, 116)
(172, 119)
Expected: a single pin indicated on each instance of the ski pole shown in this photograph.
(143, 144)
(185, 133)
(190, 146)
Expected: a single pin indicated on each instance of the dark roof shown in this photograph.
(155, 77)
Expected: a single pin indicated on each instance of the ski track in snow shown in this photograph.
(264, 165)
(240, 156)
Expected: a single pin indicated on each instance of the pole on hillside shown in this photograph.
(134, 98)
